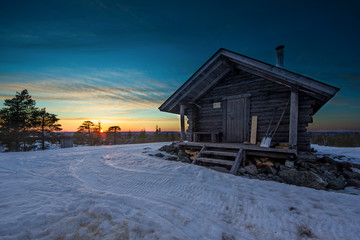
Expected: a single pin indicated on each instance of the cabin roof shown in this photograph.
(224, 61)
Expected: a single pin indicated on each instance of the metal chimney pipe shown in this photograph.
(280, 56)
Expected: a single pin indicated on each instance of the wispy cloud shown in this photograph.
(46, 37)
(95, 94)
(343, 100)
(110, 89)
(352, 81)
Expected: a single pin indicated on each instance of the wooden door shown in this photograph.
(235, 120)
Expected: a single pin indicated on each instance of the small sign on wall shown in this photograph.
(217, 105)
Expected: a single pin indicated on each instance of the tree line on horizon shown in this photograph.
(349, 139)
(22, 124)
(91, 134)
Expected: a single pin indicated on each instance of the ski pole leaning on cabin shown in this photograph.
(264, 140)
(272, 133)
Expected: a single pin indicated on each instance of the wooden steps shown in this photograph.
(220, 156)
(232, 154)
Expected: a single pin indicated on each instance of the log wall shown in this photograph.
(266, 98)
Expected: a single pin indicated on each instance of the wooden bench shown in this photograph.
(215, 136)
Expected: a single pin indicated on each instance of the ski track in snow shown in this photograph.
(119, 192)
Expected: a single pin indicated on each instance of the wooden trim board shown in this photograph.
(254, 121)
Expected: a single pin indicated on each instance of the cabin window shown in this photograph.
(217, 105)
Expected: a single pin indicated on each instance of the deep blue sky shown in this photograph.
(117, 61)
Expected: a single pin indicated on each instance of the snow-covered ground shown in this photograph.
(350, 154)
(120, 192)
(37, 146)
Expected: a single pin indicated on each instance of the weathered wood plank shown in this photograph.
(254, 121)
(182, 122)
(217, 161)
(267, 154)
(220, 153)
(266, 105)
(198, 155)
(238, 160)
(224, 120)
(247, 120)
(243, 95)
(293, 125)
(211, 84)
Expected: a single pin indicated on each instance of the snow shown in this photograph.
(37, 146)
(3, 148)
(120, 192)
(341, 154)
(48, 145)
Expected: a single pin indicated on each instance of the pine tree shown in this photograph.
(15, 119)
(114, 128)
(157, 134)
(142, 136)
(86, 126)
(129, 135)
(98, 134)
(44, 122)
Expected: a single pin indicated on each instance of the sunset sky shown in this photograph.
(118, 61)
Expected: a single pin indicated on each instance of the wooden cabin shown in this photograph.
(233, 98)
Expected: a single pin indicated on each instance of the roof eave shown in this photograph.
(195, 75)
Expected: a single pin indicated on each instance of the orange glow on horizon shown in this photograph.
(135, 125)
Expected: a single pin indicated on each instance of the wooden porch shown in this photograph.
(233, 154)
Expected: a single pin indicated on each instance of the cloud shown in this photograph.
(352, 81)
(123, 119)
(99, 89)
(343, 100)
(47, 37)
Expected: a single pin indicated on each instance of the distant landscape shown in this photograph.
(53, 139)
(336, 139)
